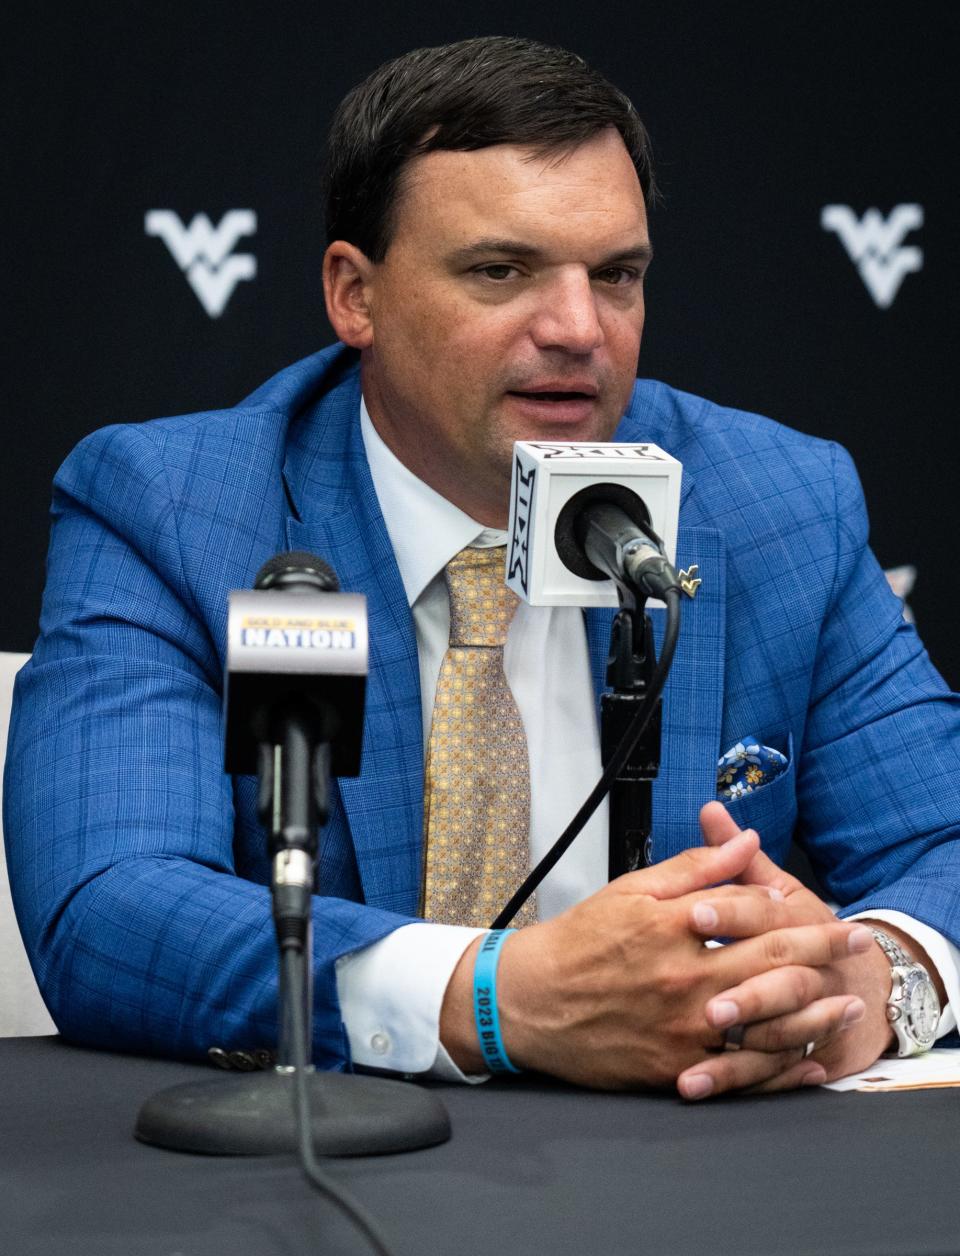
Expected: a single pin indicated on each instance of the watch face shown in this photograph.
(922, 1008)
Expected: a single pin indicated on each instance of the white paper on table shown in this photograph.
(939, 1067)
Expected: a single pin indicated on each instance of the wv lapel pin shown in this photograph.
(689, 579)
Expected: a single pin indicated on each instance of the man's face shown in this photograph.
(509, 306)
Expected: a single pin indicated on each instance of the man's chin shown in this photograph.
(581, 433)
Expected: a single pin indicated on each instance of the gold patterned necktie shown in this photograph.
(477, 787)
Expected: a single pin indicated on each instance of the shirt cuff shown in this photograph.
(390, 998)
(944, 956)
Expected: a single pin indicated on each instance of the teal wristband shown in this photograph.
(485, 1003)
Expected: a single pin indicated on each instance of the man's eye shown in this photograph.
(496, 270)
(618, 276)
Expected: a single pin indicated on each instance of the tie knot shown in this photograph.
(481, 605)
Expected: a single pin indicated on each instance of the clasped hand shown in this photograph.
(620, 991)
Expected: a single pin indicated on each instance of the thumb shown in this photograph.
(696, 868)
(717, 824)
(719, 827)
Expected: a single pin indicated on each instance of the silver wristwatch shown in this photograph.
(913, 1008)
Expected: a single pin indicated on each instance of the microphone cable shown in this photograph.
(351, 1208)
(635, 730)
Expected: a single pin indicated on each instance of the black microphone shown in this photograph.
(619, 547)
(294, 639)
(296, 675)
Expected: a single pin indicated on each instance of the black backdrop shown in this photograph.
(761, 116)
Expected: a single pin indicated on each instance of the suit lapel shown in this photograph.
(693, 698)
(340, 520)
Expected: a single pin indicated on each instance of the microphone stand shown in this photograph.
(294, 777)
(255, 1113)
(630, 669)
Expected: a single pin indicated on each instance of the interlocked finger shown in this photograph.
(771, 994)
(816, 1023)
(728, 888)
(748, 1070)
(807, 946)
(744, 915)
(804, 1073)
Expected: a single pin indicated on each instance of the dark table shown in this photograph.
(533, 1167)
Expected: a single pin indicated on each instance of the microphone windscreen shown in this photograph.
(297, 567)
(569, 526)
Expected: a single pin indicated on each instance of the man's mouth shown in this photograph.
(550, 409)
(553, 396)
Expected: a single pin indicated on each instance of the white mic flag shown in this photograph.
(551, 482)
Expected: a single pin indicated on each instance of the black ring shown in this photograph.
(733, 1037)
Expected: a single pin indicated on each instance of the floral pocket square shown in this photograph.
(747, 766)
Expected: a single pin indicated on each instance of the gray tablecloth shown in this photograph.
(532, 1168)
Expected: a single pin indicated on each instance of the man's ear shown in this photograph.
(347, 275)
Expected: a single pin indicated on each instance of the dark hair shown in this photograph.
(468, 95)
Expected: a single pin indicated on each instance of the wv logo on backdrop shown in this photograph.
(875, 246)
(205, 253)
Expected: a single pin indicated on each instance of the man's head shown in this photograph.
(488, 238)
(461, 97)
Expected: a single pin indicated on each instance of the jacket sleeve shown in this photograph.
(879, 776)
(119, 818)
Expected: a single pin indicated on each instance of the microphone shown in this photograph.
(295, 678)
(295, 682)
(584, 518)
(296, 571)
(616, 546)
(294, 640)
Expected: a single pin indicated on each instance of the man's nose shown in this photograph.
(567, 317)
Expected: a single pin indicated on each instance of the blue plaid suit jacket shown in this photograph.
(138, 867)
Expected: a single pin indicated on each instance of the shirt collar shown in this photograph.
(425, 529)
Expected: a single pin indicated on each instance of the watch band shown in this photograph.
(891, 947)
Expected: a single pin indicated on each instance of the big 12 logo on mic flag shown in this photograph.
(546, 476)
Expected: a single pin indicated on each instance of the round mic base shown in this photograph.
(253, 1115)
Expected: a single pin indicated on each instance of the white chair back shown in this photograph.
(22, 1011)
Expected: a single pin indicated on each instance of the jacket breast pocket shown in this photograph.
(771, 809)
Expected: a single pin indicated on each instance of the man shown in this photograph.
(488, 241)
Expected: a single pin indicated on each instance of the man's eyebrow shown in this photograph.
(491, 244)
(642, 252)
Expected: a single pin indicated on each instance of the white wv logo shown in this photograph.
(873, 244)
(204, 252)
